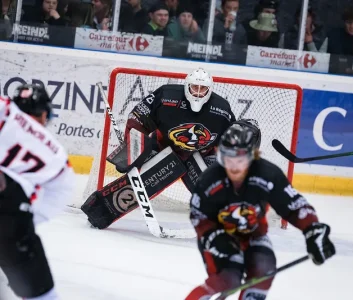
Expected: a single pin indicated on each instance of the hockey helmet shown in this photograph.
(198, 88)
(33, 99)
(237, 145)
(253, 125)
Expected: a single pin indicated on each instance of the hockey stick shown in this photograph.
(109, 112)
(279, 147)
(254, 281)
(148, 213)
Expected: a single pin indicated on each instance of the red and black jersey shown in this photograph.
(265, 185)
(167, 112)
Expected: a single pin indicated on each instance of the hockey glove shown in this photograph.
(220, 244)
(318, 244)
(239, 218)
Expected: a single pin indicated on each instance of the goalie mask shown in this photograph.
(198, 88)
(237, 145)
(33, 99)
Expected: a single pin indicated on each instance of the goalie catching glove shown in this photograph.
(318, 244)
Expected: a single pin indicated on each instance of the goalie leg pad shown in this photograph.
(161, 171)
(110, 203)
(117, 199)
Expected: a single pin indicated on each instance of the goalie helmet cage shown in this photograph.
(276, 107)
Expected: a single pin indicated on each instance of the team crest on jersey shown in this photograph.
(191, 136)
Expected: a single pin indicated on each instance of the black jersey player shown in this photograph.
(187, 118)
(228, 211)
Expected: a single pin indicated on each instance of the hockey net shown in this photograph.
(275, 106)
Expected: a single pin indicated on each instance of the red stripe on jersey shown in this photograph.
(8, 101)
(169, 104)
(210, 262)
(34, 195)
(2, 125)
(33, 198)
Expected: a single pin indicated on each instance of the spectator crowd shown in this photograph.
(269, 23)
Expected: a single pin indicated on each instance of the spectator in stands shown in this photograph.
(80, 14)
(340, 40)
(200, 9)
(172, 8)
(265, 27)
(133, 17)
(219, 7)
(227, 30)
(147, 4)
(46, 14)
(102, 13)
(7, 18)
(264, 6)
(159, 16)
(185, 28)
(315, 39)
(8, 10)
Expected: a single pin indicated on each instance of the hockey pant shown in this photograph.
(22, 256)
(224, 274)
(117, 199)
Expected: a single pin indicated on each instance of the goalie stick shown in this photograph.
(109, 112)
(257, 280)
(148, 213)
(281, 149)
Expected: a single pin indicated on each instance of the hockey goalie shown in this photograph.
(175, 130)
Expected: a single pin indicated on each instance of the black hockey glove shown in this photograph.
(221, 244)
(318, 244)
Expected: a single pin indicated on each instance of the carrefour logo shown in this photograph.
(307, 60)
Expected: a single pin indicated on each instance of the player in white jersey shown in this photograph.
(36, 181)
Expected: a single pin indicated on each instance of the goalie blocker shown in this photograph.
(117, 199)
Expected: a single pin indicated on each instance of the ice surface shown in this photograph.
(125, 262)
